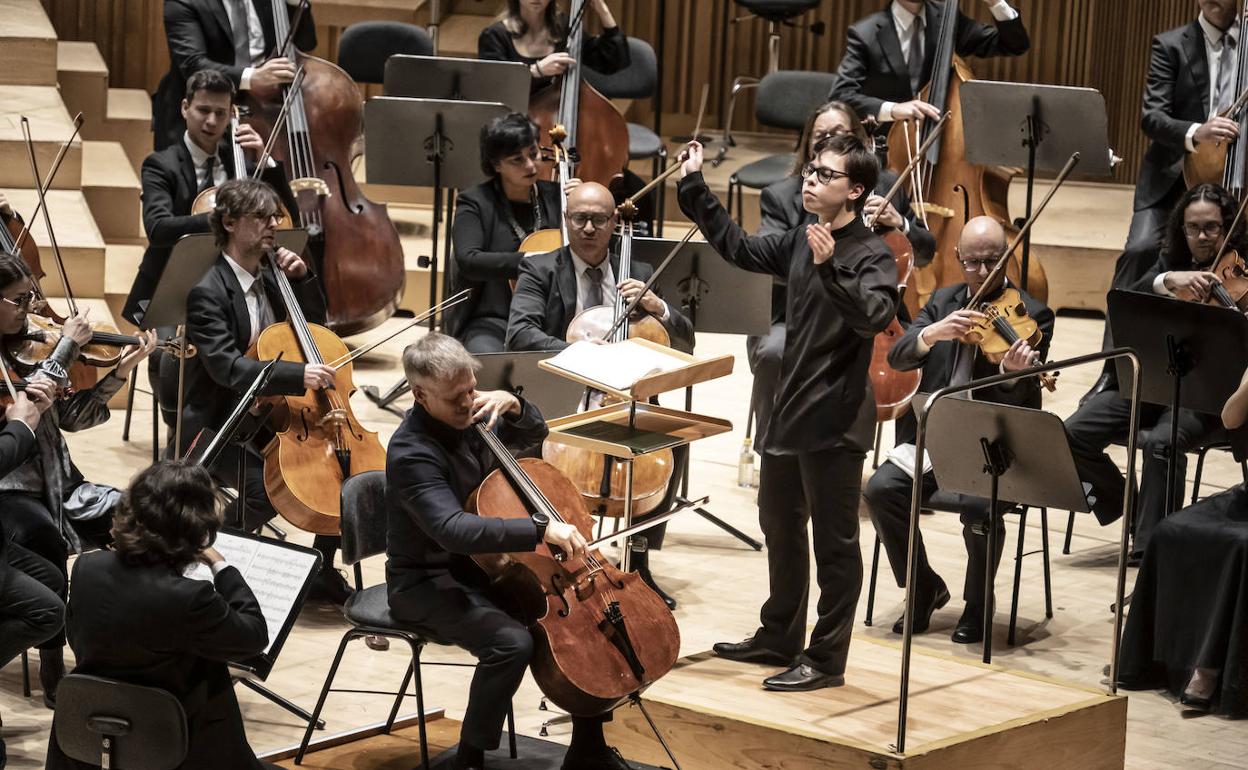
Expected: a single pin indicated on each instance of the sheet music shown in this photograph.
(274, 572)
(617, 365)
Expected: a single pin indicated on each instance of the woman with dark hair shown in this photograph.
(535, 32)
(136, 617)
(47, 505)
(491, 220)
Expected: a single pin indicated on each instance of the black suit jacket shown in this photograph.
(219, 328)
(17, 445)
(873, 70)
(938, 363)
(431, 469)
(150, 626)
(486, 255)
(199, 37)
(1176, 95)
(545, 303)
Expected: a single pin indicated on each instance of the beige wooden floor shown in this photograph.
(720, 584)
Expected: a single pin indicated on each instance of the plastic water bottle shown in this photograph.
(745, 465)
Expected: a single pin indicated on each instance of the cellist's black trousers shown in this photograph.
(822, 488)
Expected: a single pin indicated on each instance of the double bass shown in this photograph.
(1224, 162)
(362, 263)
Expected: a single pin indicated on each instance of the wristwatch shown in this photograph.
(542, 521)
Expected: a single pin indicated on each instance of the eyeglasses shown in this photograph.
(975, 265)
(1210, 230)
(22, 301)
(824, 175)
(266, 216)
(579, 220)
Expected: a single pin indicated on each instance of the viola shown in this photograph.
(600, 635)
(1231, 291)
(103, 350)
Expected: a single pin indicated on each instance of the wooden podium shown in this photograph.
(632, 371)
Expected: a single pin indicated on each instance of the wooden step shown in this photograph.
(129, 121)
(50, 126)
(83, 77)
(459, 32)
(113, 192)
(121, 264)
(82, 246)
(27, 44)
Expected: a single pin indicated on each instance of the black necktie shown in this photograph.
(209, 167)
(594, 297)
(916, 56)
(1226, 75)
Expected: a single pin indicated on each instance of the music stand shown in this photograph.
(1175, 338)
(444, 77)
(1002, 452)
(718, 298)
(988, 106)
(518, 373)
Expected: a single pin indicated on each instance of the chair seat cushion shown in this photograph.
(766, 171)
(777, 10)
(642, 142)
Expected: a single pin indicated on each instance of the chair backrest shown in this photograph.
(636, 81)
(778, 10)
(363, 516)
(146, 726)
(786, 98)
(364, 47)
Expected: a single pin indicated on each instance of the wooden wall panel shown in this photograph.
(1102, 44)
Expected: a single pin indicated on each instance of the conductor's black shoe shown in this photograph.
(801, 677)
(607, 759)
(970, 628)
(926, 602)
(330, 587)
(749, 651)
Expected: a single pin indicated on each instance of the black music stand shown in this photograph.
(518, 373)
(1174, 340)
(989, 107)
(473, 80)
(1001, 452)
(719, 298)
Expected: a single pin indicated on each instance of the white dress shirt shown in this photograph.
(904, 20)
(200, 159)
(255, 37)
(1214, 40)
(608, 283)
(253, 295)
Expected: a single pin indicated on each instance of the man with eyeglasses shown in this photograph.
(1194, 234)
(842, 291)
(225, 314)
(936, 343)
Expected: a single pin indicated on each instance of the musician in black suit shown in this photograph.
(435, 461)
(491, 220)
(842, 283)
(881, 73)
(135, 618)
(234, 37)
(933, 342)
(225, 314)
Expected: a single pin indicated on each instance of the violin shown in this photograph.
(39, 339)
(601, 635)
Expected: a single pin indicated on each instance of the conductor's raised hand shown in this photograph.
(822, 244)
(566, 538)
(290, 262)
(492, 404)
(953, 326)
(691, 159)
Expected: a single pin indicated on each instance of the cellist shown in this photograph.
(434, 462)
(535, 32)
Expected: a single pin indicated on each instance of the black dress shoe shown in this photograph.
(607, 759)
(1103, 383)
(749, 651)
(800, 677)
(925, 603)
(330, 587)
(970, 628)
(1196, 702)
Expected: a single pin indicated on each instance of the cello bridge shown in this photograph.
(333, 417)
(313, 184)
(933, 209)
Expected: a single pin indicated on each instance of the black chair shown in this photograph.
(637, 81)
(113, 724)
(368, 609)
(943, 501)
(364, 47)
(785, 100)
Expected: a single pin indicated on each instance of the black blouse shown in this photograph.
(606, 52)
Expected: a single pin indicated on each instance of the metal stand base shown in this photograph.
(725, 526)
(280, 701)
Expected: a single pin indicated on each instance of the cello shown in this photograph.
(362, 263)
(947, 189)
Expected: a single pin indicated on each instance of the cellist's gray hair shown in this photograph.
(436, 358)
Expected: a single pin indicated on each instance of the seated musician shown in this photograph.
(934, 343)
(1197, 228)
(48, 489)
(233, 37)
(491, 220)
(434, 462)
(225, 314)
(1185, 629)
(554, 288)
(135, 617)
(535, 32)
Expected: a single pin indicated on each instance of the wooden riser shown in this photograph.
(83, 77)
(27, 44)
(715, 716)
(82, 246)
(129, 122)
(113, 192)
(50, 126)
(121, 264)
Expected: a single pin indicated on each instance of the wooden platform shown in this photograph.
(113, 192)
(27, 44)
(50, 126)
(715, 716)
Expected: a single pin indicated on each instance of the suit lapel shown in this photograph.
(565, 281)
(186, 168)
(234, 293)
(891, 44)
(1197, 60)
(216, 8)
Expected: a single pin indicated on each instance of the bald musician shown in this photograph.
(934, 343)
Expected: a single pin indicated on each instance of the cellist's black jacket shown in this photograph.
(834, 311)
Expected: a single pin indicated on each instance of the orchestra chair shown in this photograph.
(948, 503)
(108, 723)
(785, 100)
(368, 609)
(777, 14)
(638, 81)
(365, 46)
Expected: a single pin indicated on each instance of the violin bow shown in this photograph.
(47, 183)
(47, 219)
(452, 301)
(628, 309)
(998, 268)
(290, 33)
(1226, 242)
(631, 201)
(932, 136)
